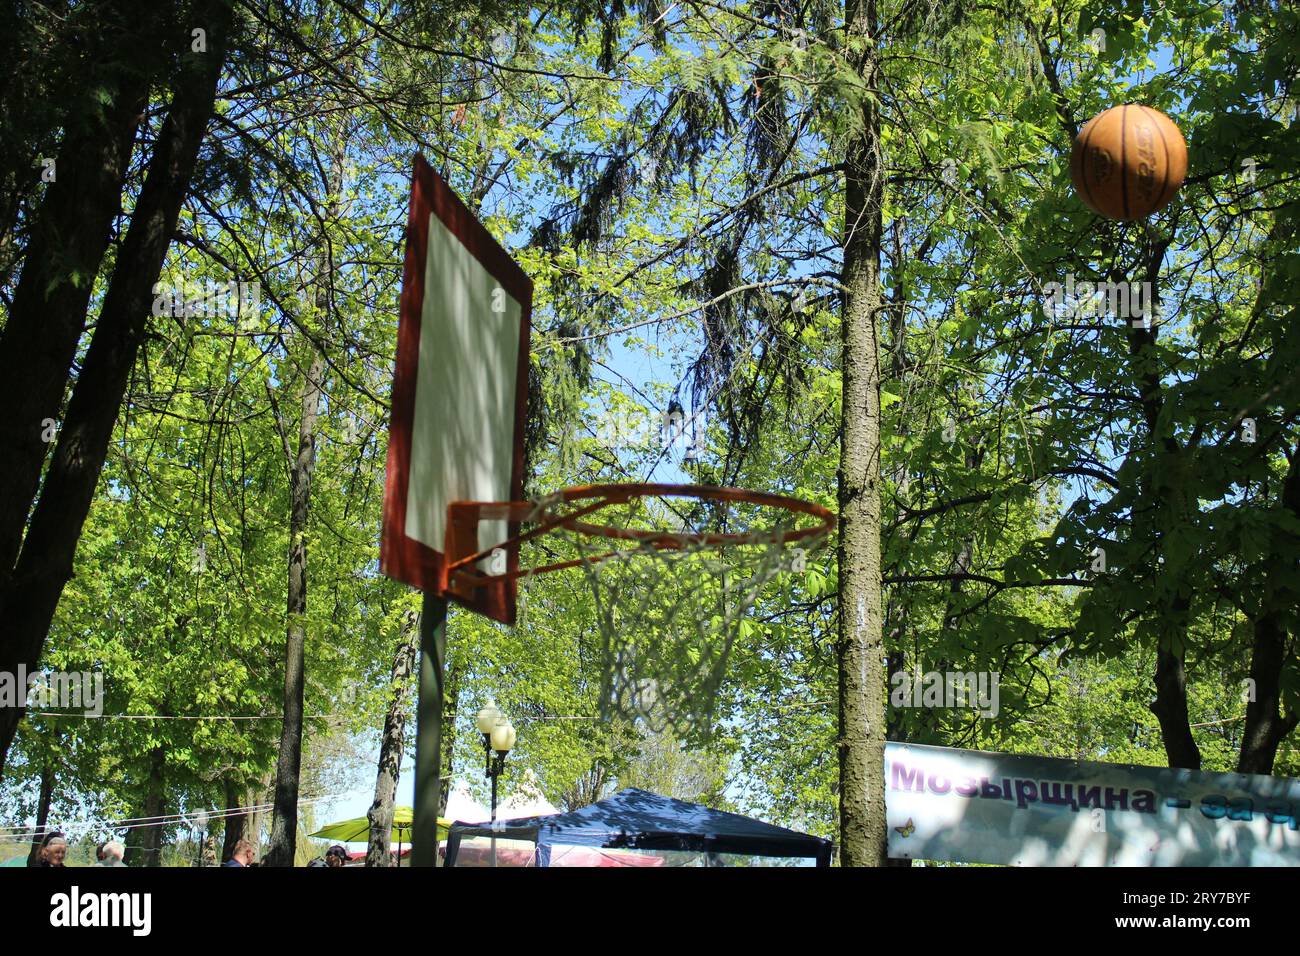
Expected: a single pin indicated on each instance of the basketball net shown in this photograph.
(669, 605)
(668, 621)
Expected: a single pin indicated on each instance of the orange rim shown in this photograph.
(464, 516)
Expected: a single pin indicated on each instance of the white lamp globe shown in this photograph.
(503, 736)
(489, 717)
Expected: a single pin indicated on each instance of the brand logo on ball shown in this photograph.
(1101, 165)
(1146, 176)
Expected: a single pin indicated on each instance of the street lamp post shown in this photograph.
(498, 740)
(199, 825)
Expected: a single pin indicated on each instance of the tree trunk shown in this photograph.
(860, 647)
(237, 825)
(1170, 708)
(64, 250)
(450, 699)
(42, 811)
(30, 597)
(1266, 725)
(390, 748)
(257, 797)
(148, 852)
(1170, 705)
(284, 822)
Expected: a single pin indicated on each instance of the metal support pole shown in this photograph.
(428, 731)
(494, 812)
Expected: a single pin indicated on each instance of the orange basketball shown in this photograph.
(1128, 162)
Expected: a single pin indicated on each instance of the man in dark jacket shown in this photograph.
(242, 856)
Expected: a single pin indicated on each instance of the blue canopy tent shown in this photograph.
(639, 820)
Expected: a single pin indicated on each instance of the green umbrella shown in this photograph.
(358, 829)
(22, 860)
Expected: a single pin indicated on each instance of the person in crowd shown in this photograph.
(243, 855)
(336, 855)
(111, 854)
(54, 848)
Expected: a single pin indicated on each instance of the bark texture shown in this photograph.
(42, 813)
(147, 848)
(860, 645)
(380, 815)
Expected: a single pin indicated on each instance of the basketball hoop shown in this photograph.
(669, 602)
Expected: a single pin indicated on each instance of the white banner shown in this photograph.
(975, 807)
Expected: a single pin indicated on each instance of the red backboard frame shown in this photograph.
(401, 556)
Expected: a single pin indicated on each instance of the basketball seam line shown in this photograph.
(1123, 152)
